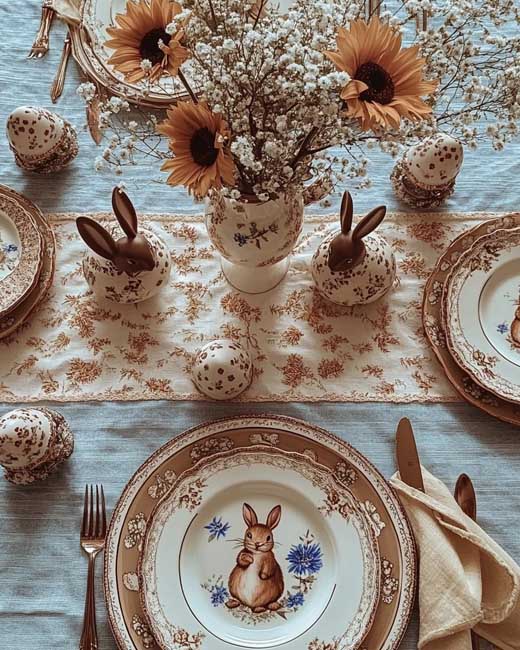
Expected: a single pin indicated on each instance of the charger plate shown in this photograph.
(435, 330)
(19, 314)
(155, 478)
(304, 570)
(482, 312)
(20, 252)
(92, 56)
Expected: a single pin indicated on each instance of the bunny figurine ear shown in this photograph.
(346, 213)
(125, 212)
(96, 237)
(249, 515)
(369, 223)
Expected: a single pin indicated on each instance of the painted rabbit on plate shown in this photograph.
(257, 579)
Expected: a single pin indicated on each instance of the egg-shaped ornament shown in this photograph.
(33, 443)
(426, 173)
(41, 141)
(222, 369)
(354, 266)
(127, 269)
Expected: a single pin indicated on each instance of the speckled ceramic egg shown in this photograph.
(435, 161)
(354, 266)
(222, 370)
(41, 141)
(109, 282)
(33, 442)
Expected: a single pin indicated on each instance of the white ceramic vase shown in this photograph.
(255, 239)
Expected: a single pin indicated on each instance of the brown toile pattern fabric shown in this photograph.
(304, 348)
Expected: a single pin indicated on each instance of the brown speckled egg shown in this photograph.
(435, 161)
(25, 434)
(222, 370)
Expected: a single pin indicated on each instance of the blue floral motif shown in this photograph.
(219, 595)
(295, 600)
(240, 239)
(305, 559)
(502, 328)
(11, 248)
(217, 528)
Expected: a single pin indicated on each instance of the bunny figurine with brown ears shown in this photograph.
(354, 267)
(128, 269)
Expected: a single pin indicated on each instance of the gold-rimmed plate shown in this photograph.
(19, 314)
(435, 329)
(158, 474)
(20, 252)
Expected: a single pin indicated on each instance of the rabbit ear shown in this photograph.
(346, 213)
(125, 212)
(249, 515)
(369, 223)
(96, 237)
(273, 518)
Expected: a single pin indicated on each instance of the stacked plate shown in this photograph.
(471, 315)
(27, 254)
(88, 46)
(259, 532)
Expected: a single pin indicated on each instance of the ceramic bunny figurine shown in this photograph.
(257, 579)
(356, 266)
(129, 269)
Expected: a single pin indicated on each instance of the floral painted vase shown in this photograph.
(255, 238)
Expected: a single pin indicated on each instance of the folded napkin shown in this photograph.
(67, 10)
(466, 581)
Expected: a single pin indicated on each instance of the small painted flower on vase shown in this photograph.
(217, 528)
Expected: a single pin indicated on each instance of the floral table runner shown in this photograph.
(304, 349)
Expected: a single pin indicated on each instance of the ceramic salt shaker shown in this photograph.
(33, 443)
(126, 269)
(222, 370)
(41, 141)
(425, 175)
(354, 267)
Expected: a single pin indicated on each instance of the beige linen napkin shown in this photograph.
(67, 10)
(465, 579)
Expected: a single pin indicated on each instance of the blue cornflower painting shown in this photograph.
(295, 600)
(503, 328)
(305, 559)
(219, 595)
(217, 528)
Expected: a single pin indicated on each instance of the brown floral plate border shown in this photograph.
(15, 287)
(435, 329)
(154, 478)
(17, 316)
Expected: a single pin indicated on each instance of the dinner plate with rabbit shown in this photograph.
(258, 548)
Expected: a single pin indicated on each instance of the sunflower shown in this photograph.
(141, 36)
(199, 141)
(386, 81)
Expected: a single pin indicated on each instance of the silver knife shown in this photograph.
(407, 457)
(59, 79)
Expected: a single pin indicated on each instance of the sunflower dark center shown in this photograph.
(149, 47)
(202, 147)
(380, 85)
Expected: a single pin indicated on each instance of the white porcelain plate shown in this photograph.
(482, 308)
(259, 548)
(20, 253)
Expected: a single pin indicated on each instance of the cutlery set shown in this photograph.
(40, 48)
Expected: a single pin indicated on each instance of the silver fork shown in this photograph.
(40, 46)
(92, 540)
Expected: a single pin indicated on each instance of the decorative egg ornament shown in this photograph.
(33, 443)
(354, 267)
(222, 370)
(425, 175)
(41, 141)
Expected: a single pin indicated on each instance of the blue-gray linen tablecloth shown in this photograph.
(42, 571)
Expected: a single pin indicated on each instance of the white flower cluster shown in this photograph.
(266, 72)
